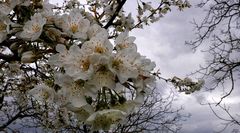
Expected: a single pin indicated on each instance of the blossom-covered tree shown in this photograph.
(74, 67)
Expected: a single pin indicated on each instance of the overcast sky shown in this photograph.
(163, 42)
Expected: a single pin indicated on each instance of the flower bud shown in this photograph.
(53, 34)
(14, 46)
(28, 57)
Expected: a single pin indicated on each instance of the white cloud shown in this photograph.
(164, 42)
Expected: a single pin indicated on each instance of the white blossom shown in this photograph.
(144, 66)
(98, 45)
(102, 76)
(84, 112)
(76, 63)
(59, 58)
(124, 41)
(122, 65)
(42, 93)
(132, 104)
(79, 65)
(104, 119)
(71, 94)
(75, 25)
(145, 84)
(96, 30)
(33, 28)
(127, 21)
(7, 6)
(47, 10)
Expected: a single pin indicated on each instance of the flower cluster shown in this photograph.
(100, 80)
(187, 85)
(97, 76)
(85, 67)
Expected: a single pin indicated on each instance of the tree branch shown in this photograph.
(119, 7)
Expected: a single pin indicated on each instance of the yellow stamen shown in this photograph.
(116, 63)
(74, 27)
(36, 28)
(123, 46)
(2, 26)
(85, 65)
(99, 49)
(45, 95)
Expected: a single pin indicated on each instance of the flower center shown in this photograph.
(116, 63)
(36, 28)
(99, 49)
(45, 95)
(85, 65)
(103, 69)
(74, 27)
(123, 46)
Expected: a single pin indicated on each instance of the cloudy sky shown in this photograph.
(163, 42)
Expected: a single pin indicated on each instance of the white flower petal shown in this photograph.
(103, 78)
(99, 45)
(74, 24)
(42, 93)
(97, 31)
(104, 119)
(123, 41)
(33, 28)
(84, 112)
(61, 48)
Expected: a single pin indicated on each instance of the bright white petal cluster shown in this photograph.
(102, 120)
(33, 28)
(74, 24)
(94, 70)
(92, 74)
(98, 45)
(124, 41)
(42, 93)
(71, 93)
(47, 10)
(75, 61)
(96, 30)
(122, 65)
